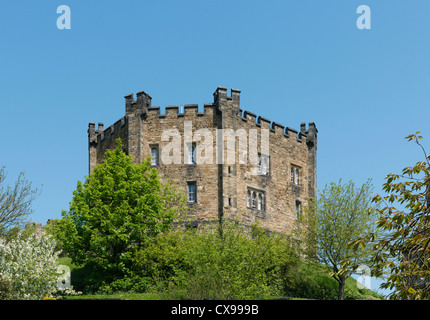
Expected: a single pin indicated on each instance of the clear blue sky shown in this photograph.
(294, 61)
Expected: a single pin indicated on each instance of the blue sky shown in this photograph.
(294, 61)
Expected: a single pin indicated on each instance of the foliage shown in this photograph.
(163, 259)
(403, 249)
(28, 267)
(55, 229)
(167, 269)
(310, 281)
(15, 202)
(116, 212)
(232, 264)
(5, 289)
(202, 263)
(341, 214)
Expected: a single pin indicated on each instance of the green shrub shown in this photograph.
(310, 281)
(203, 264)
(5, 289)
(232, 264)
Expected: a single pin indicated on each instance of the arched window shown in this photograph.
(154, 156)
(254, 200)
(260, 202)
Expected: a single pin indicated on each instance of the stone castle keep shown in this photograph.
(270, 190)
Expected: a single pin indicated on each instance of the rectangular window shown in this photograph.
(298, 209)
(295, 174)
(255, 199)
(154, 155)
(192, 154)
(263, 164)
(191, 190)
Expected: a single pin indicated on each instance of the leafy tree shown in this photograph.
(403, 249)
(116, 211)
(341, 214)
(15, 202)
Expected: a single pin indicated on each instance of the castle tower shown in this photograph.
(276, 179)
(135, 111)
(230, 115)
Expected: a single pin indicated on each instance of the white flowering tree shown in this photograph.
(29, 266)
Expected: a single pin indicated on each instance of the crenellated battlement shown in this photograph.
(173, 111)
(275, 127)
(102, 134)
(142, 105)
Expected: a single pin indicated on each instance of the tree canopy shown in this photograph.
(341, 214)
(15, 202)
(403, 248)
(117, 210)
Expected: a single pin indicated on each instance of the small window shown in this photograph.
(191, 186)
(298, 209)
(295, 175)
(154, 156)
(192, 154)
(259, 202)
(263, 164)
(248, 199)
(254, 202)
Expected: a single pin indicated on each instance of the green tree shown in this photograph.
(116, 212)
(403, 249)
(341, 214)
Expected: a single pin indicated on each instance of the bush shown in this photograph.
(203, 264)
(232, 264)
(163, 260)
(28, 267)
(5, 289)
(310, 281)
